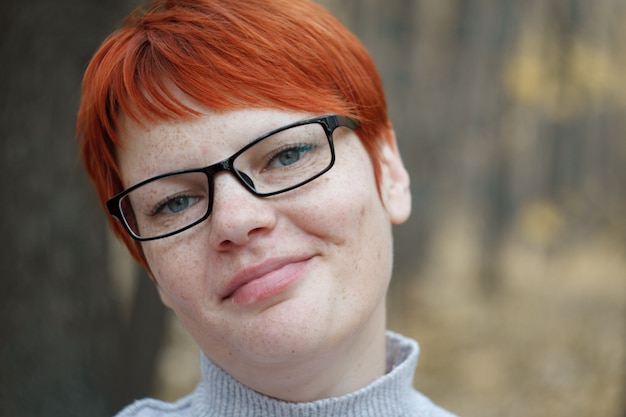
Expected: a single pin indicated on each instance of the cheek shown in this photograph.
(174, 271)
(333, 215)
(350, 219)
(346, 201)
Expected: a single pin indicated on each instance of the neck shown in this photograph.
(392, 394)
(341, 369)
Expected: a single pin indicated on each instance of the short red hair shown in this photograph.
(225, 55)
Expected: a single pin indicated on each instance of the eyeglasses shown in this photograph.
(277, 162)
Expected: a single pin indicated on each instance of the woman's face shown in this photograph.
(275, 283)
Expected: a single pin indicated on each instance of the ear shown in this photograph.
(394, 182)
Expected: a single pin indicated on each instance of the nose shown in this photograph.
(237, 215)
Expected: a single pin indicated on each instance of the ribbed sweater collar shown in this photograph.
(393, 391)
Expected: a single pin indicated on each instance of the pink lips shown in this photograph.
(260, 282)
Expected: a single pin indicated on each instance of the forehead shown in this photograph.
(150, 149)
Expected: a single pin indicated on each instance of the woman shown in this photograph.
(244, 152)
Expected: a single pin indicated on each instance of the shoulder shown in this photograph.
(150, 407)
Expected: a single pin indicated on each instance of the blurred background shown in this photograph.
(511, 272)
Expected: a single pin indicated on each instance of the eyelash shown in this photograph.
(299, 147)
(159, 207)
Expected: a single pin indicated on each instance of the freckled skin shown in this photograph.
(323, 335)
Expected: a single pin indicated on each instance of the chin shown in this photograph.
(285, 333)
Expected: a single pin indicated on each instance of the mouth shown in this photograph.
(265, 280)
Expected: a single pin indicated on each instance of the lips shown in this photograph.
(259, 282)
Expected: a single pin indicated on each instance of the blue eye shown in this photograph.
(178, 204)
(174, 205)
(289, 155)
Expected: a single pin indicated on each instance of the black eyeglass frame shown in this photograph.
(328, 122)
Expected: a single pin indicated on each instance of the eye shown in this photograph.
(289, 155)
(175, 204)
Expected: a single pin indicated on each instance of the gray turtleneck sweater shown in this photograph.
(220, 395)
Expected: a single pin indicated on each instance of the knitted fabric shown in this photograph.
(220, 395)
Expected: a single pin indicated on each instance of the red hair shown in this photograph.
(225, 55)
